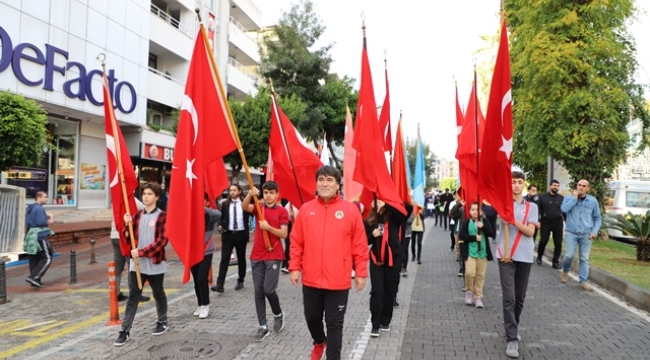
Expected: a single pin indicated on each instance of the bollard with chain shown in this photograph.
(3, 283)
(92, 250)
(73, 267)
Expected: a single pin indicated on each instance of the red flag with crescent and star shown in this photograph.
(130, 180)
(204, 137)
(495, 172)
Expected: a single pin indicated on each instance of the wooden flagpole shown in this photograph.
(120, 168)
(233, 127)
(506, 256)
(476, 142)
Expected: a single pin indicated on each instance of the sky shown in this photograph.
(428, 45)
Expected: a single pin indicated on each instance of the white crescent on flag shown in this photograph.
(188, 105)
(110, 145)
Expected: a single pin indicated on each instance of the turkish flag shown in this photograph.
(495, 173)
(204, 136)
(466, 152)
(113, 138)
(216, 180)
(351, 188)
(294, 163)
(399, 166)
(371, 170)
(384, 120)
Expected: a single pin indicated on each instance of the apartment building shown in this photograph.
(49, 51)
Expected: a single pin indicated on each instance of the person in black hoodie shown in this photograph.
(383, 228)
(36, 223)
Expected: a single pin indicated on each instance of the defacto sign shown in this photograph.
(76, 88)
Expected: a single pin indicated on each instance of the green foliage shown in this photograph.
(448, 183)
(292, 64)
(636, 226)
(573, 87)
(22, 131)
(429, 162)
(253, 121)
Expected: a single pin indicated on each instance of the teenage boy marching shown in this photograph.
(265, 263)
(150, 240)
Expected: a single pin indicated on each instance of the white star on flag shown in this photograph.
(506, 147)
(189, 174)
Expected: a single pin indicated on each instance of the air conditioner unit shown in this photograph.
(155, 118)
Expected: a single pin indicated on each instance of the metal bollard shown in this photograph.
(92, 251)
(3, 283)
(73, 267)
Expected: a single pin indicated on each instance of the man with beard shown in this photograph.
(552, 221)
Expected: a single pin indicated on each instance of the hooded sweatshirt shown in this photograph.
(35, 216)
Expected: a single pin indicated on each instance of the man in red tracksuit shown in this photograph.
(328, 239)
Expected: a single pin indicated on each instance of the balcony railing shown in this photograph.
(166, 76)
(238, 25)
(170, 20)
(242, 68)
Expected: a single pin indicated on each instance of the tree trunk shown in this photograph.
(643, 250)
(336, 160)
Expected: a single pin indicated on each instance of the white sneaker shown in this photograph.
(197, 312)
(204, 312)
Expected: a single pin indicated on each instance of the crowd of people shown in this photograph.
(329, 247)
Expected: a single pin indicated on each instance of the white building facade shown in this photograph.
(48, 53)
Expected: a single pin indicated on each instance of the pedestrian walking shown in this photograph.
(122, 258)
(514, 271)
(475, 231)
(446, 200)
(201, 270)
(327, 241)
(234, 235)
(150, 240)
(287, 240)
(551, 221)
(417, 233)
(532, 196)
(583, 222)
(457, 214)
(383, 226)
(265, 263)
(38, 248)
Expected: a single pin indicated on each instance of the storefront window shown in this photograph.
(57, 170)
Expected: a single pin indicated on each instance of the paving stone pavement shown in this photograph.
(559, 321)
(71, 325)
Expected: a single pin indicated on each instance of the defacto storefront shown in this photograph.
(48, 53)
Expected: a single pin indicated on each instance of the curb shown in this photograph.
(633, 294)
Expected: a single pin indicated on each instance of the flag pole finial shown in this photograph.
(363, 23)
(385, 59)
(272, 88)
(102, 59)
(198, 14)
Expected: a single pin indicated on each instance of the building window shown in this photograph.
(153, 61)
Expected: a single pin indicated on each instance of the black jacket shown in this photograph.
(396, 222)
(463, 234)
(549, 207)
(225, 216)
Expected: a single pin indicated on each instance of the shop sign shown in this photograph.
(155, 152)
(79, 87)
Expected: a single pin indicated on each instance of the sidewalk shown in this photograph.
(559, 321)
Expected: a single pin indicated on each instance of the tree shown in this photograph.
(22, 131)
(429, 162)
(292, 63)
(335, 93)
(572, 71)
(253, 121)
(448, 183)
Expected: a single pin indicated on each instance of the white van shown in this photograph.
(627, 196)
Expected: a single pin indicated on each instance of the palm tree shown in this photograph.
(637, 226)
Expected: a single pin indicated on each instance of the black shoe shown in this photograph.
(395, 303)
(374, 332)
(121, 297)
(385, 328)
(161, 327)
(419, 262)
(122, 338)
(452, 248)
(217, 288)
(413, 258)
(144, 298)
(240, 285)
(556, 265)
(539, 261)
(34, 283)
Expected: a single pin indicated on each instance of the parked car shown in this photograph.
(627, 196)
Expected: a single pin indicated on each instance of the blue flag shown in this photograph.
(419, 177)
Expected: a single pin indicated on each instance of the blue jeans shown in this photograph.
(572, 241)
